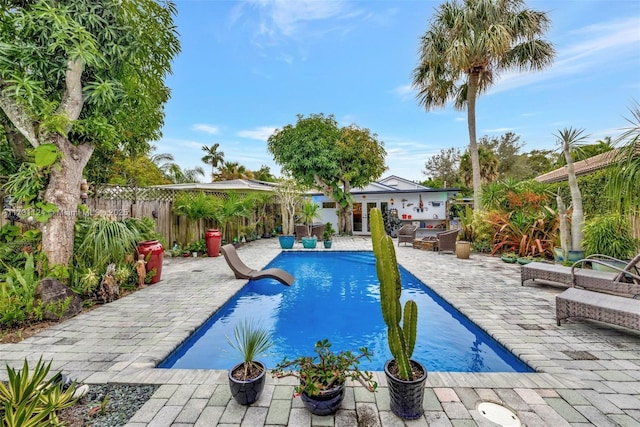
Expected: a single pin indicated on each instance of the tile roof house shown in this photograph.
(581, 167)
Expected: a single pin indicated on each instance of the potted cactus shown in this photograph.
(406, 377)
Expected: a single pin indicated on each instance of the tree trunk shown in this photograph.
(345, 220)
(472, 90)
(345, 215)
(63, 190)
(577, 216)
(565, 234)
(17, 142)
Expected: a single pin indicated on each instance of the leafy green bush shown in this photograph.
(16, 294)
(609, 235)
(103, 239)
(483, 232)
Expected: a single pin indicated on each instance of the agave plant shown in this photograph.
(29, 400)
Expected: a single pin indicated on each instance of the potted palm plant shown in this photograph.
(327, 234)
(322, 377)
(246, 379)
(310, 211)
(406, 376)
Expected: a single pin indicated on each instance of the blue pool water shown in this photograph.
(336, 296)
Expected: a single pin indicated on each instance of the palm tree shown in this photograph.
(569, 140)
(213, 157)
(624, 178)
(233, 170)
(465, 49)
(489, 164)
(164, 161)
(172, 171)
(179, 176)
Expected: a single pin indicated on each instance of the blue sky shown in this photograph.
(249, 67)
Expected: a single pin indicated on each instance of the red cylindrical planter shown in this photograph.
(154, 260)
(213, 238)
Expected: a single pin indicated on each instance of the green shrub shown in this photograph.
(102, 239)
(609, 235)
(16, 294)
(483, 232)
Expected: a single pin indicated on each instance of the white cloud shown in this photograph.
(618, 40)
(404, 92)
(206, 128)
(260, 133)
(287, 18)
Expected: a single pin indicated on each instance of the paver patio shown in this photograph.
(586, 373)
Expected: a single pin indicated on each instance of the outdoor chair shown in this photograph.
(301, 231)
(614, 279)
(241, 271)
(407, 234)
(447, 241)
(606, 296)
(317, 230)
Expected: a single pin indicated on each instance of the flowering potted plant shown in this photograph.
(322, 377)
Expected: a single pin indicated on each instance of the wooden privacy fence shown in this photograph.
(157, 203)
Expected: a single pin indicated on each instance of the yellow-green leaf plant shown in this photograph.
(401, 324)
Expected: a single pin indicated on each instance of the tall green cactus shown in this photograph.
(402, 338)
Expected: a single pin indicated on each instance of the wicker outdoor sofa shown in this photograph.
(610, 297)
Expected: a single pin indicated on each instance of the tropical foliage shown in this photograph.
(522, 217)
(625, 176)
(610, 235)
(468, 44)
(30, 400)
(232, 170)
(102, 239)
(213, 157)
(17, 291)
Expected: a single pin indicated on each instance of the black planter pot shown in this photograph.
(406, 396)
(326, 403)
(247, 392)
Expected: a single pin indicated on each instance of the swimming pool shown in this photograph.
(336, 296)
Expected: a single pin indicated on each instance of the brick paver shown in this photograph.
(586, 373)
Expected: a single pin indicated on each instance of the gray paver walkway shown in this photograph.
(586, 373)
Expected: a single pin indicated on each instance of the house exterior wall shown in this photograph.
(431, 218)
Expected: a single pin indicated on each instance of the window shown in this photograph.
(328, 205)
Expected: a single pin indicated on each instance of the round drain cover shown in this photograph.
(498, 414)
